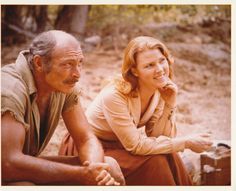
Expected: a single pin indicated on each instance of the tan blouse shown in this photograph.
(116, 116)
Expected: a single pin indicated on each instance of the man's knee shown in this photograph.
(116, 172)
(21, 183)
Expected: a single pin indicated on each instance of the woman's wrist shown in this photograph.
(178, 144)
(170, 106)
(169, 111)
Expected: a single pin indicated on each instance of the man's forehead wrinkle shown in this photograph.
(74, 56)
(68, 49)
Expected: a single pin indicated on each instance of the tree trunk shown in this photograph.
(41, 17)
(73, 18)
(11, 15)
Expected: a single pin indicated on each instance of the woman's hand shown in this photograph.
(97, 174)
(199, 143)
(169, 93)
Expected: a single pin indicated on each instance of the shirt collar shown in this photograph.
(135, 108)
(23, 68)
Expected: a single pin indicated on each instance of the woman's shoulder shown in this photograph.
(112, 94)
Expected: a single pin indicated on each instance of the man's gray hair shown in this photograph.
(42, 45)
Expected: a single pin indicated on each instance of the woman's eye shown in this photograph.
(150, 65)
(163, 61)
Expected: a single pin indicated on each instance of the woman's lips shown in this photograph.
(161, 77)
(161, 80)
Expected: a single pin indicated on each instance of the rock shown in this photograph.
(93, 40)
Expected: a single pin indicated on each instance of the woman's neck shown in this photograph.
(146, 93)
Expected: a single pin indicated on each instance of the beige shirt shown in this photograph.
(18, 95)
(115, 116)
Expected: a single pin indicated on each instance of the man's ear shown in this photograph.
(134, 72)
(38, 65)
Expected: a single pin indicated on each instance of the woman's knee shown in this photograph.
(158, 160)
(115, 171)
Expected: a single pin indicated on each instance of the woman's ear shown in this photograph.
(38, 65)
(134, 72)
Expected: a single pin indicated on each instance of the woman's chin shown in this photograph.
(161, 84)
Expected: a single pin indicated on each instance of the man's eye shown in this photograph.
(68, 64)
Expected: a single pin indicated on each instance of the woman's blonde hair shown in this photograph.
(128, 83)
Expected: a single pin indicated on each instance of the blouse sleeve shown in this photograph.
(116, 112)
(162, 121)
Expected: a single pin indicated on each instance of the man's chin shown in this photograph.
(66, 90)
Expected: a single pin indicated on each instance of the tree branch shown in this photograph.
(19, 30)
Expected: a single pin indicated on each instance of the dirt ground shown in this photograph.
(203, 74)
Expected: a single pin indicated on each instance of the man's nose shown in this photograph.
(76, 72)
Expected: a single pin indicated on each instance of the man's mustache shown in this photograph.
(71, 81)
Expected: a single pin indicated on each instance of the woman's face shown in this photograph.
(152, 69)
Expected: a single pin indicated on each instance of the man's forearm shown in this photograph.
(41, 171)
(91, 150)
(71, 160)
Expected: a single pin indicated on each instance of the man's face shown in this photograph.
(65, 69)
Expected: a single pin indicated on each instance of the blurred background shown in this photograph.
(198, 36)
(115, 23)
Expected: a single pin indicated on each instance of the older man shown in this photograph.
(36, 91)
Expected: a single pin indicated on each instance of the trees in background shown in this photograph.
(20, 22)
(11, 17)
(72, 19)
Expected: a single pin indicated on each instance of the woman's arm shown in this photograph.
(116, 111)
(162, 122)
(165, 124)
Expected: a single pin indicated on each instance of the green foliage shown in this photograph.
(53, 11)
(103, 16)
(118, 20)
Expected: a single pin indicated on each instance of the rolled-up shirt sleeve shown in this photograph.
(13, 100)
(116, 112)
(71, 100)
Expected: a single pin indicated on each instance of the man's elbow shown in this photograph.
(9, 168)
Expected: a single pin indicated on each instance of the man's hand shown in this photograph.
(97, 174)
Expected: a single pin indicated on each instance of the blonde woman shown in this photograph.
(134, 118)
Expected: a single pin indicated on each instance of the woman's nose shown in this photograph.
(159, 69)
